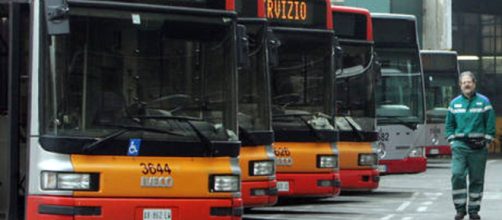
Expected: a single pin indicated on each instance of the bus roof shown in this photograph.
(395, 30)
(434, 61)
(228, 5)
(251, 8)
(352, 10)
(444, 52)
(394, 16)
(357, 11)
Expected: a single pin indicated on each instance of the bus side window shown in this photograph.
(3, 89)
(4, 50)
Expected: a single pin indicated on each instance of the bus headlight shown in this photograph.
(224, 183)
(69, 181)
(261, 168)
(327, 161)
(417, 152)
(368, 160)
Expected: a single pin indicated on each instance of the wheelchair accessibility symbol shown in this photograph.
(134, 146)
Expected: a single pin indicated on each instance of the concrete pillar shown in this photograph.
(437, 33)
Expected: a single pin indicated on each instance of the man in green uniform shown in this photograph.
(470, 127)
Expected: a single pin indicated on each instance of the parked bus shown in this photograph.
(355, 99)
(257, 159)
(441, 77)
(400, 99)
(133, 110)
(302, 79)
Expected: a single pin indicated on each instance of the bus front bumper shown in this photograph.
(406, 165)
(72, 208)
(259, 193)
(367, 179)
(308, 184)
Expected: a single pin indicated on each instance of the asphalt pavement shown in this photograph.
(425, 196)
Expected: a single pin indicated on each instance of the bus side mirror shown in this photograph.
(338, 60)
(273, 49)
(57, 17)
(337, 56)
(242, 47)
(377, 68)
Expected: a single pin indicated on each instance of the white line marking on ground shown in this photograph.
(403, 206)
(422, 209)
(433, 194)
(492, 195)
(388, 217)
(427, 203)
(407, 218)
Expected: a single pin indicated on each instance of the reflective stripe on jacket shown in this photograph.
(470, 118)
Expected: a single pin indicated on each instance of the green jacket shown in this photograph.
(474, 118)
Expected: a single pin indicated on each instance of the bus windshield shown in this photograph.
(302, 83)
(355, 86)
(301, 79)
(4, 50)
(440, 89)
(440, 75)
(254, 109)
(156, 70)
(399, 94)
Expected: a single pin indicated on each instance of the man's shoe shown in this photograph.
(459, 215)
(474, 216)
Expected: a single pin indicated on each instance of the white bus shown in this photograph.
(400, 101)
(440, 74)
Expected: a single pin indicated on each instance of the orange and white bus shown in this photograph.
(303, 78)
(355, 95)
(132, 110)
(257, 159)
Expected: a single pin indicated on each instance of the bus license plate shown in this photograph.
(382, 168)
(434, 151)
(283, 186)
(157, 214)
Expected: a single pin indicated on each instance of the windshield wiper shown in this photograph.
(354, 129)
(410, 124)
(202, 137)
(124, 129)
(312, 129)
(247, 135)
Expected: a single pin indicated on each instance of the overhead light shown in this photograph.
(468, 57)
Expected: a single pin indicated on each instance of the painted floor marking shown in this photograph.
(388, 217)
(403, 206)
(422, 209)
